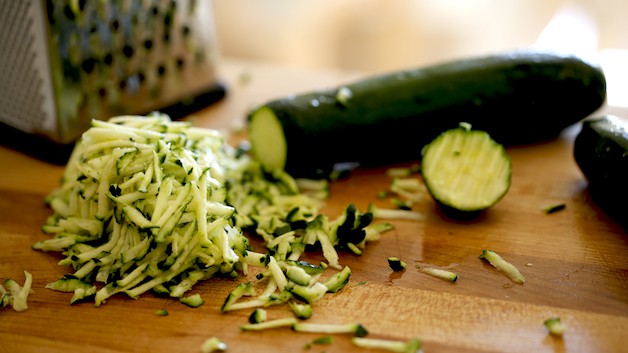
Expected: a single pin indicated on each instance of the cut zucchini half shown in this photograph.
(387, 118)
(267, 139)
(465, 170)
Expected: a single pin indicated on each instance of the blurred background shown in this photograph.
(380, 35)
(372, 36)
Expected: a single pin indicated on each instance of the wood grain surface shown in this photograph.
(575, 262)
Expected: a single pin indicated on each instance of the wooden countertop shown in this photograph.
(575, 262)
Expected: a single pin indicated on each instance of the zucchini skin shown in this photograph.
(517, 97)
(601, 152)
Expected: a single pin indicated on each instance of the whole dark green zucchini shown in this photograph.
(518, 98)
(601, 152)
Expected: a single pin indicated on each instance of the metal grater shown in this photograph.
(64, 63)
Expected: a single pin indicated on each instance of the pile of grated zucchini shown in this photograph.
(151, 204)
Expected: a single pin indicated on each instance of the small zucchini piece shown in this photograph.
(396, 264)
(554, 208)
(338, 280)
(298, 275)
(17, 295)
(271, 324)
(412, 345)
(510, 270)
(67, 284)
(466, 171)
(301, 310)
(280, 297)
(399, 214)
(193, 301)
(401, 204)
(81, 290)
(213, 344)
(308, 294)
(161, 312)
(258, 315)
(243, 289)
(309, 268)
(5, 297)
(355, 329)
(320, 340)
(555, 326)
(439, 273)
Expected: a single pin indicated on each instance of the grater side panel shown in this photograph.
(26, 94)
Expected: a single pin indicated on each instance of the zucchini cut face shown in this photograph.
(466, 170)
(268, 139)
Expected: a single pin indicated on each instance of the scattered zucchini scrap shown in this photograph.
(258, 315)
(336, 282)
(316, 188)
(554, 208)
(244, 289)
(381, 195)
(555, 326)
(302, 311)
(298, 326)
(410, 189)
(213, 344)
(319, 341)
(404, 190)
(82, 290)
(161, 312)
(502, 265)
(14, 294)
(401, 204)
(270, 324)
(324, 340)
(193, 301)
(350, 328)
(403, 172)
(396, 264)
(438, 273)
(410, 346)
(385, 213)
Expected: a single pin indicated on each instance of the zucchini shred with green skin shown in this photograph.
(14, 294)
(404, 110)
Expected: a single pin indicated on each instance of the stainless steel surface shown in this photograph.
(66, 62)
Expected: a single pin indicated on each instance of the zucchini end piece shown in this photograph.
(466, 171)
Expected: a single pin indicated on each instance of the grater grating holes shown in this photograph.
(21, 101)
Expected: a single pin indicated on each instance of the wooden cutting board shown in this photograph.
(575, 262)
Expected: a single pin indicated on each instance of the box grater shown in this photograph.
(65, 62)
